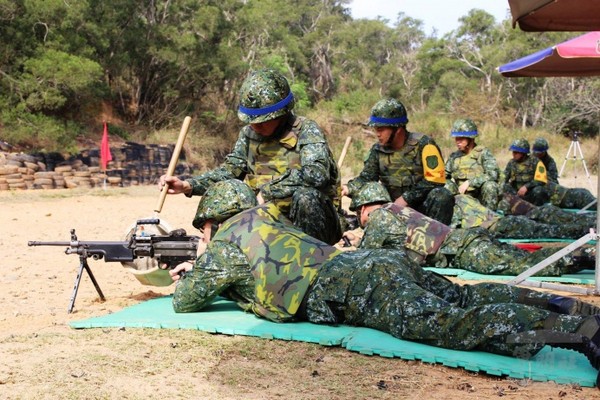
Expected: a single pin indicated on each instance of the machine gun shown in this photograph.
(168, 251)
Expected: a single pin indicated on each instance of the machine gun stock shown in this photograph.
(168, 251)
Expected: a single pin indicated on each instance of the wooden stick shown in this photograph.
(344, 151)
(173, 163)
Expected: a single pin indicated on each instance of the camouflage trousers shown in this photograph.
(521, 227)
(488, 256)
(488, 194)
(438, 205)
(314, 214)
(577, 198)
(381, 289)
(550, 214)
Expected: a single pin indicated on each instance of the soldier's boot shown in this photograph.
(585, 257)
(571, 306)
(575, 263)
(590, 328)
(585, 262)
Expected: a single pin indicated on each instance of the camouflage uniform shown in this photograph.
(560, 196)
(576, 198)
(296, 277)
(432, 243)
(294, 167)
(550, 214)
(529, 172)
(479, 167)
(415, 172)
(540, 149)
(530, 222)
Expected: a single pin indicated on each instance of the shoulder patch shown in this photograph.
(433, 164)
(540, 173)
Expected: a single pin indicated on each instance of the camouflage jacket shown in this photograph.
(401, 171)
(260, 260)
(551, 170)
(517, 174)
(478, 167)
(299, 141)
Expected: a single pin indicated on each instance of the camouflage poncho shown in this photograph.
(258, 258)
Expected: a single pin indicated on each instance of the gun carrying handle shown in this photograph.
(173, 163)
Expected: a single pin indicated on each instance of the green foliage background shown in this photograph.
(142, 66)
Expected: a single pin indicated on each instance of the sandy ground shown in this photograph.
(42, 357)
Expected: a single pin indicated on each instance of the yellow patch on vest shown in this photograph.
(289, 141)
(540, 173)
(433, 165)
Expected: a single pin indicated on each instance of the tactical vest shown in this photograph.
(424, 235)
(523, 172)
(468, 166)
(269, 159)
(284, 261)
(401, 169)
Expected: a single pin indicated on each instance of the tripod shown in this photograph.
(574, 151)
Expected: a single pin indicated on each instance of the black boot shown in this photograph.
(571, 306)
(584, 262)
(590, 328)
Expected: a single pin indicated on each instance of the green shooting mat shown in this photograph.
(585, 277)
(223, 316)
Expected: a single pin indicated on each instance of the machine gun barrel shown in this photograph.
(39, 243)
(109, 251)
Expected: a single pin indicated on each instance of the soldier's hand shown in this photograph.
(401, 202)
(174, 185)
(348, 242)
(345, 190)
(522, 191)
(462, 189)
(180, 270)
(351, 239)
(259, 198)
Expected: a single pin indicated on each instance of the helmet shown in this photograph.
(388, 112)
(223, 200)
(540, 145)
(520, 145)
(371, 192)
(465, 128)
(264, 95)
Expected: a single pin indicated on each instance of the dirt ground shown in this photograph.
(43, 358)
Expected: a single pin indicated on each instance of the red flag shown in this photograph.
(105, 155)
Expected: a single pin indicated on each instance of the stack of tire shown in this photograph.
(17, 171)
(132, 164)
